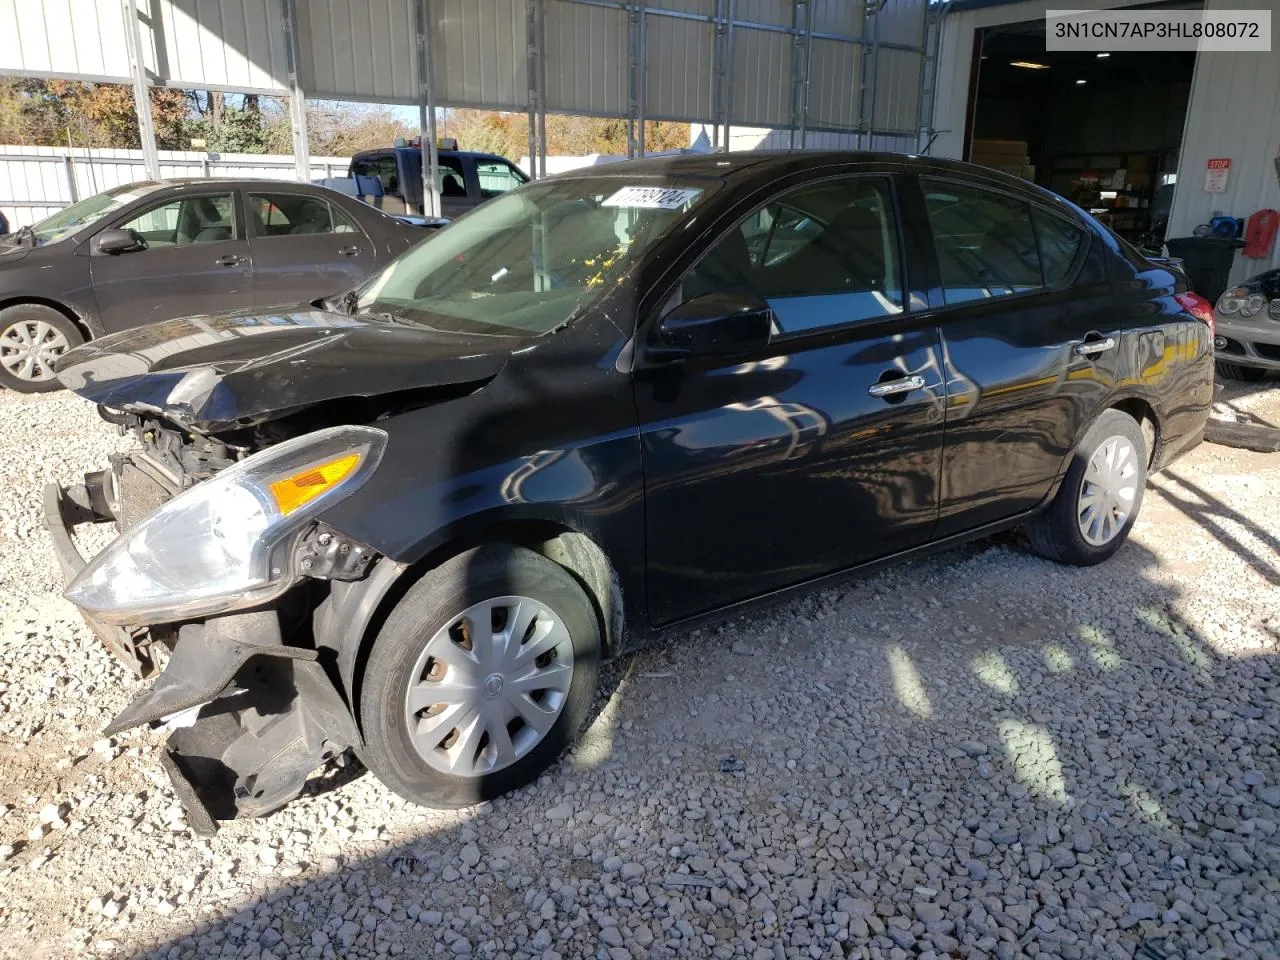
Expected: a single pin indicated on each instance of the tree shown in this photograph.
(508, 133)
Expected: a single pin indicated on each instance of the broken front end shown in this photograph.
(216, 576)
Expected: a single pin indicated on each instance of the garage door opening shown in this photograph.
(1101, 129)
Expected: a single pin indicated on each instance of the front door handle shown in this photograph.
(230, 260)
(1091, 348)
(889, 388)
(350, 251)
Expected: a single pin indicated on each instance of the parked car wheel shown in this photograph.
(1100, 496)
(1236, 371)
(479, 678)
(32, 337)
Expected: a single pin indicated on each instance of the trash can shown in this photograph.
(1206, 262)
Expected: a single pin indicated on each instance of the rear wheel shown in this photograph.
(480, 677)
(32, 338)
(1100, 496)
(1236, 371)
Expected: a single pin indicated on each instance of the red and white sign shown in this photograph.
(1215, 177)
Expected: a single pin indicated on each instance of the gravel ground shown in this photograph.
(979, 754)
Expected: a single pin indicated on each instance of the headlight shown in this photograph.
(1241, 301)
(227, 542)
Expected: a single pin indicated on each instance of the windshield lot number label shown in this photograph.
(652, 198)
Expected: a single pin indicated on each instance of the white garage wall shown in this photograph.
(1234, 113)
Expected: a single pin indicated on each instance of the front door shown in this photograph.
(815, 454)
(1030, 340)
(196, 260)
(304, 247)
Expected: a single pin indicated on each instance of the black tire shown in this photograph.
(1237, 371)
(430, 605)
(1055, 534)
(15, 317)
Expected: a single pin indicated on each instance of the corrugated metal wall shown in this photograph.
(365, 50)
(1234, 113)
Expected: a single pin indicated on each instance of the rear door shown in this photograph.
(303, 246)
(816, 453)
(1030, 340)
(197, 260)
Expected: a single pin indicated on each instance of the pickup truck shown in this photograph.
(465, 179)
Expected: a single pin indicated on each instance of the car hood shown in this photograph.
(212, 373)
(1265, 283)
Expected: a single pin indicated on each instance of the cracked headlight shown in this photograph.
(226, 543)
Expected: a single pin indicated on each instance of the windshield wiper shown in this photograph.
(24, 234)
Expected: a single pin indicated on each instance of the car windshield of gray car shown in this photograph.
(88, 211)
(526, 262)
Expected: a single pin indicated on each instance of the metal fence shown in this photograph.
(35, 182)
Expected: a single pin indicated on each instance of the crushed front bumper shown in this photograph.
(251, 716)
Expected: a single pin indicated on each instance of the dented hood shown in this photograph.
(215, 372)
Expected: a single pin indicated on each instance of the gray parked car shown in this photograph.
(153, 251)
(1247, 339)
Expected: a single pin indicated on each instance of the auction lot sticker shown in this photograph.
(653, 198)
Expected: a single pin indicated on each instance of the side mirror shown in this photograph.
(716, 324)
(120, 241)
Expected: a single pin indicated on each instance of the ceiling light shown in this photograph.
(1081, 83)
(1103, 56)
(1028, 65)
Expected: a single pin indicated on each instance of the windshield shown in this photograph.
(525, 262)
(88, 211)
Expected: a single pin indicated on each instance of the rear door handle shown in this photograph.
(1091, 348)
(889, 388)
(350, 251)
(230, 260)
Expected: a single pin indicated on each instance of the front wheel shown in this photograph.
(1100, 496)
(1238, 371)
(480, 677)
(32, 338)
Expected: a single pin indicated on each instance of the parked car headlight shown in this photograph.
(227, 542)
(1240, 301)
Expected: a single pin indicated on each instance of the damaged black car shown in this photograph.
(412, 521)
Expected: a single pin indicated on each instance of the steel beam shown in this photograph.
(297, 100)
(536, 76)
(801, 69)
(426, 109)
(141, 90)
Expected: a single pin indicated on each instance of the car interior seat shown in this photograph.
(203, 224)
(315, 219)
(451, 186)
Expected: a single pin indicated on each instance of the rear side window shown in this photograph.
(496, 177)
(1060, 244)
(821, 255)
(291, 214)
(985, 242)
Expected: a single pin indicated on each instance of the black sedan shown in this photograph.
(413, 522)
(158, 250)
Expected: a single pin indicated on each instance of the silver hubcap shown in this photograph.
(489, 686)
(1108, 492)
(28, 349)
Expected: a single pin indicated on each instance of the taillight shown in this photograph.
(1198, 307)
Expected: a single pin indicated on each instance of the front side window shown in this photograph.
(985, 242)
(496, 177)
(206, 219)
(820, 255)
(285, 214)
(526, 262)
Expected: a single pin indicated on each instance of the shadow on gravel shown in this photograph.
(979, 754)
(1211, 515)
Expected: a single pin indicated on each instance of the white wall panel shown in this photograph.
(63, 37)
(680, 68)
(357, 49)
(841, 17)
(223, 43)
(761, 77)
(833, 88)
(479, 53)
(1229, 116)
(586, 58)
(775, 12)
(897, 89)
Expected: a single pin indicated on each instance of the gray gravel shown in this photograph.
(980, 754)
